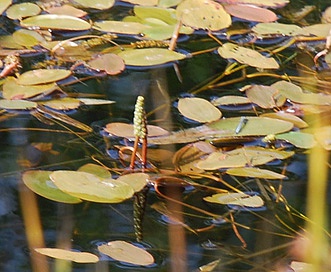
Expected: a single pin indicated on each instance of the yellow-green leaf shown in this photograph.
(254, 172)
(39, 182)
(55, 21)
(240, 199)
(131, 28)
(198, 109)
(297, 121)
(63, 254)
(4, 4)
(17, 104)
(263, 29)
(136, 180)
(100, 4)
(42, 76)
(125, 252)
(230, 100)
(95, 169)
(22, 10)
(298, 139)
(27, 38)
(247, 56)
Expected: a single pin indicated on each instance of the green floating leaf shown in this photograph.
(7, 41)
(255, 126)
(13, 90)
(265, 29)
(168, 3)
(298, 122)
(247, 56)
(240, 199)
(95, 169)
(264, 3)
(164, 15)
(319, 30)
(19, 11)
(17, 104)
(149, 56)
(231, 100)
(254, 172)
(265, 96)
(203, 14)
(54, 21)
(142, 2)
(125, 252)
(39, 182)
(100, 4)
(92, 101)
(27, 38)
(42, 76)
(241, 157)
(90, 187)
(198, 109)
(112, 64)
(130, 28)
(66, 10)
(63, 254)
(296, 94)
(298, 139)
(136, 180)
(4, 4)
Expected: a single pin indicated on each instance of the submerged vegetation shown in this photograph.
(196, 114)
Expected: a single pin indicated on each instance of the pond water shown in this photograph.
(250, 239)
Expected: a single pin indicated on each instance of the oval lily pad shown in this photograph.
(247, 56)
(100, 4)
(149, 56)
(125, 252)
(39, 182)
(55, 21)
(63, 254)
(4, 4)
(198, 109)
(13, 90)
(136, 180)
(130, 28)
(67, 10)
(203, 14)
(27, 38)
(95, 169)
(297, 121)
(91, 187)
(264, 3)
(22, 10)
(42, 76)
(231, 100)
(263, 29)
(254, 172)
(240, 199)
(266, 97)
(251, 13)
(17, 104)
(66, 103)
(298, 139)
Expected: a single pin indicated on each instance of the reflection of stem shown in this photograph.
(33, 228)
(236, 232)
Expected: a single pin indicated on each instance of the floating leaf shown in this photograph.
(13, 90)
(198, 109)
(231, 100)
(27, 38)
(7, 41)
(320, 30)
(209, 266)
(247, 56)
(265, 96)
(63, 104)
(131, 28)
(92, 101)
(67, 10)
(125, 252)
(296, 94)
(136, 180)
(39, 182)
(4, 4)
(149, 56)
(240, 199)
(91, 187)
(100, 4)
(167, 16)
(261, 3)
(241, 157)
(95, 169)
(298, 139)
(42, 76)
(17, 104)
(19, 11)
(203, 14)
(142, 2)
(298, 122)
(110, 63)
(126, 130)
(251, 13)
(54, 21)
(254, 172)
(263, 29)
(63, 254)
(168, 3)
